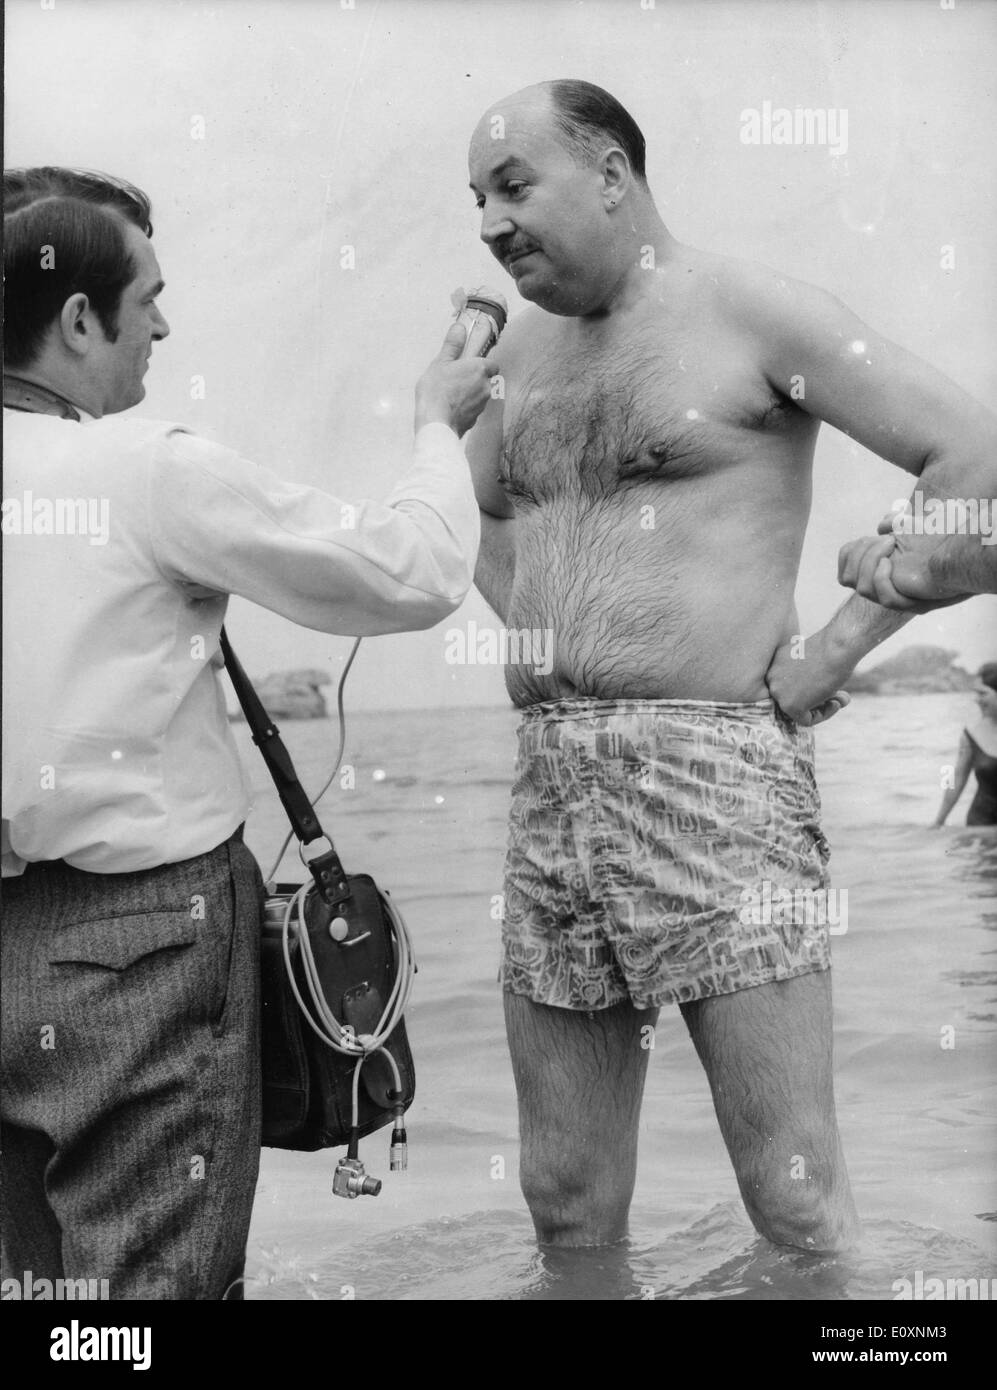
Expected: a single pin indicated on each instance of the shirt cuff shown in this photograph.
(436, 434)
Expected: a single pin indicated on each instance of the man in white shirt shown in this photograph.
(132, 908)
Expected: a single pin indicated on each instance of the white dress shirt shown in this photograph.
(117, 750)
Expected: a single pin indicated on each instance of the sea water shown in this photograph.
(915, 1015)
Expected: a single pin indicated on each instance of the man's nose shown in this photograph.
(494, 226)
(162, 328)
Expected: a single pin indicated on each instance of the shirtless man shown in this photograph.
(645, 487)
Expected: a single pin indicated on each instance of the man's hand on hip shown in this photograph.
(805, 682)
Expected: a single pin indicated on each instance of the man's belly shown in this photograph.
(601, 611)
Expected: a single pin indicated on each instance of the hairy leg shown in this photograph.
(580, 1078)
(767, 1054)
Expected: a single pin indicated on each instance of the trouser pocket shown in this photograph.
(241, 938)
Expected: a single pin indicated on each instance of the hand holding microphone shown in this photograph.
(456, 387)
(483, 313)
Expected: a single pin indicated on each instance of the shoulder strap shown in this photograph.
(326, 869)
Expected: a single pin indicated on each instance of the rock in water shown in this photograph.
(914, 671)
(293, 695)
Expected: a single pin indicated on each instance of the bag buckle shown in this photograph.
(329, 875)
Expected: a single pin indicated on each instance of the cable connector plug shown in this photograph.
(399, 1143)
(350, 1180)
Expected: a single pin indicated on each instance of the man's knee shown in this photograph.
(579, 1077)
(574, 1201)
(794, 1200)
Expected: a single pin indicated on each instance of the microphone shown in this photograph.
(483, 314)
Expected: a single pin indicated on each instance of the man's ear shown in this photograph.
(76, 324)
(616, 177)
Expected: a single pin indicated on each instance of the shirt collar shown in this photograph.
(19, 394)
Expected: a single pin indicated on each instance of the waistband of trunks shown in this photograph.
(752, 712)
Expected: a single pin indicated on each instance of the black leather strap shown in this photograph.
(327, 870)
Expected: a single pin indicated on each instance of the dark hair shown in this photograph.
(988, 674)
(589, 118)
(70, 219)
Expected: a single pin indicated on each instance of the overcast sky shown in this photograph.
(270, 135)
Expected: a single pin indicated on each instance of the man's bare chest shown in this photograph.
(593, 425)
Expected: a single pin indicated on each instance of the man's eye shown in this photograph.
(513, 189)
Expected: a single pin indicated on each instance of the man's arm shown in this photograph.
(835, 367)
(806, 675)
(496, 569)
(956, 564)
(220, 524)
(819, 354)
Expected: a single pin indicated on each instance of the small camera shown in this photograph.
(349, 1180)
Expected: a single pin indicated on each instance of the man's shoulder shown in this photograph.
(164, 441)
(756, 295)
(116, 443)
(135, 426)
(90, 435)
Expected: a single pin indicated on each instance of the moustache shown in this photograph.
(510, 250)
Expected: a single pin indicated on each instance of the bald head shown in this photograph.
(584, 118)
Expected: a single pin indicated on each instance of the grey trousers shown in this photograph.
(131, 1074)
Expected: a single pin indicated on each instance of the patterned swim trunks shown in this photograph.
(639, 830)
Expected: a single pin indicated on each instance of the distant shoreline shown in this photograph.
(918, 670)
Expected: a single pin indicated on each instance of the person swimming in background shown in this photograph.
(977, 753)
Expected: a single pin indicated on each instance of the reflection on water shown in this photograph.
(973, 856)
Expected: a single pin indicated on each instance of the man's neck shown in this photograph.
(644, 245)
(23, 391)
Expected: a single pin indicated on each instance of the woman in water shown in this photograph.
(978, 753)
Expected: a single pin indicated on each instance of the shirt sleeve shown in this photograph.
(221, 524)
